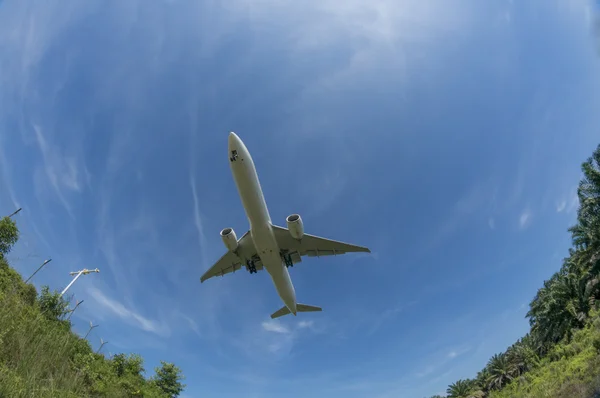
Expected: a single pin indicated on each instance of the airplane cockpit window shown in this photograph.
(234, 156)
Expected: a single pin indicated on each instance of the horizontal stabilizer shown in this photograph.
(308, 308)
(299, 307)
(280, 312)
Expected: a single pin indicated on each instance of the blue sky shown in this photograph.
(445, 136)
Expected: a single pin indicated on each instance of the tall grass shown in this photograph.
(41, 357)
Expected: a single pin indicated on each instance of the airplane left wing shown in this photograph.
(312, 246)
(228, 263)
(231, 262)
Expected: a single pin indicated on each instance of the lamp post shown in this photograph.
(15, 212)
(39, 268)
(73, 310)
(102, 342)
(78, 274)
(90, 329)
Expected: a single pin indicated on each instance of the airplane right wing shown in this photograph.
(311, 245)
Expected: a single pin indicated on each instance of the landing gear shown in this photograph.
(287, 259)
(251, 267)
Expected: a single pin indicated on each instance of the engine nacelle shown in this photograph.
(295, 226)
(230, 239)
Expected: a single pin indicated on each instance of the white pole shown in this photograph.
(73, 281)
(79, 273)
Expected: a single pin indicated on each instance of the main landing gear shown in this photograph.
(287, 259)
(251, 267)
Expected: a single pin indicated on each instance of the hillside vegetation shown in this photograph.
(560, 356)
(40, 356)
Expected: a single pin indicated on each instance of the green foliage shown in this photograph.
(9, 234)
(168, 378)
(569, 370)
(52, 305)
(560, 356)
(40, 356)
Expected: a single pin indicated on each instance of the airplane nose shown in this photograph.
(233, 138)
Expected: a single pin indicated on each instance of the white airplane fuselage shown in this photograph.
(253, 200)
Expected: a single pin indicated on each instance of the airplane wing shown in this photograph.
(312, 246)
(231, 262)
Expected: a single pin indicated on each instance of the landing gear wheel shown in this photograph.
(287, 259)
(252, 267)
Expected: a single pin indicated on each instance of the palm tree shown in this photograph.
(522, 356)
(500, 371)
(482, 379)
(561, 305)
(586, 233)
(460, 389)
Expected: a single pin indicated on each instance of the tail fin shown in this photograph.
(299, 307)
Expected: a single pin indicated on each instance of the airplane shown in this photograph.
(266, 245)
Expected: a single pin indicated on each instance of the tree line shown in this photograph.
(559, 356)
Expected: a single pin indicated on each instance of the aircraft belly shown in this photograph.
(281, 279)
(251, 193)
(268, 251)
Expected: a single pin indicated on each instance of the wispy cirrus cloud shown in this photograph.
(439, 361)
(569, 203)
(6, 176)
(388, 315)
(128, 315)
(276, 338)
(61, 172)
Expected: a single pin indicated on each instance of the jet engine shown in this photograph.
(295, 226)
(230, 239)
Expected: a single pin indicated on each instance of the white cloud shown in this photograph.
(524, 219)
(274, 326)
(305, 324)
(128, 315)
(458, 351)
(562, 205)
